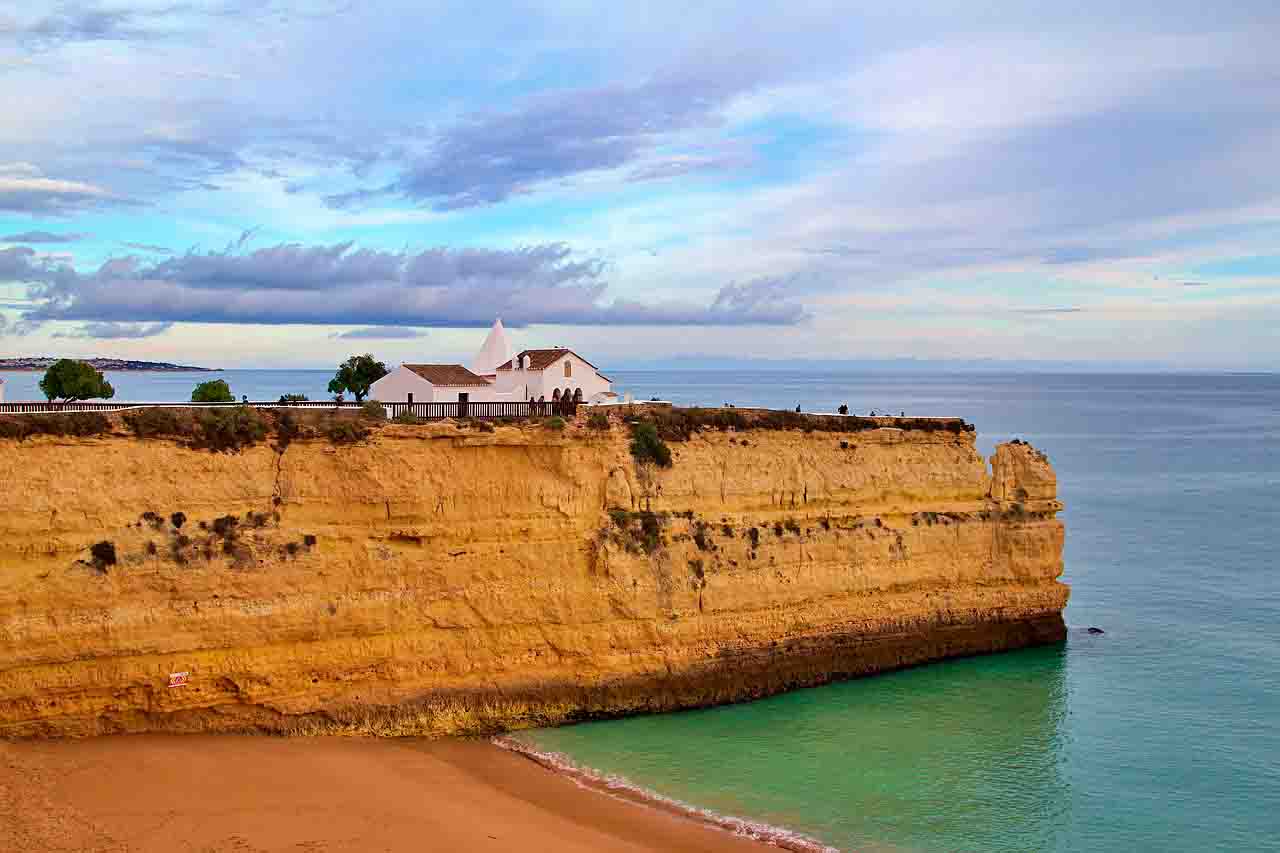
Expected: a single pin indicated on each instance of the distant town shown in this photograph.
(44, 362)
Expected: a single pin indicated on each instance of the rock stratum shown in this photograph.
(435, 580)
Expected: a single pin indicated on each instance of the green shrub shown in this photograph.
(556, 423)
(103, 555)
(373, 410)
(288, 429)
(648, 447)
(230, 430)
(406, 417)
(676, 424)
(153, 422)
(80, 424)
(700, 537)
(598, 421)
(285, 399)
(213, 391)
(346, 432)
(477, 424)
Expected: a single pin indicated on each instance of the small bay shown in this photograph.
(1161, 734)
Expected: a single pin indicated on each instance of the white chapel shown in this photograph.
(496, 374)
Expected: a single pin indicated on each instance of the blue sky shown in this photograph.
(264, 183)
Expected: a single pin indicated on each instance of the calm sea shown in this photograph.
(1162, 734)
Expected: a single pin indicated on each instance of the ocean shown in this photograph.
(1162, 734)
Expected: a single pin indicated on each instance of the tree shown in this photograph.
(68, 380)
(356, 374)
(292, 398)
(213, 391)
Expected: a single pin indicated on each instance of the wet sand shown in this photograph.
(228, 794)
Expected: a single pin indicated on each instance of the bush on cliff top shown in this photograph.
(648, 447)
(157, 422)
(675, 424)
(80, 424)
(230, 429)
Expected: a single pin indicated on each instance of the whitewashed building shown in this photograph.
(551, 374)
(428, 383)
(497, 376)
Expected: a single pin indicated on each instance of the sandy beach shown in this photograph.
(230, 794)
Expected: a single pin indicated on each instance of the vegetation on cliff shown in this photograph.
(679, 424)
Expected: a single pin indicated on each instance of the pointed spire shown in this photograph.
(495, 350)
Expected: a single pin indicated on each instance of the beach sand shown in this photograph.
(229, 794)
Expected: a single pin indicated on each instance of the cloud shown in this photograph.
(114, 331)
(43, 237)
(76, 23)
(148, 247)
(1068, 310)
(490, 157)
(381, 333)
(25, 189)
(339, 284)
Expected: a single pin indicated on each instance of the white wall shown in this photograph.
(397, 385)
(509, 386)
(449, 393)
(523, 384)
(1, 390)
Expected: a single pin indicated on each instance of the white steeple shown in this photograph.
(495, 351)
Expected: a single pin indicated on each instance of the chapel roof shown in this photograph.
(447, 374)
(541, 359)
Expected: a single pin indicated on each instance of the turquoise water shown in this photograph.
(1163, 734)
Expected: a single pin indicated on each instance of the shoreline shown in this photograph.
(619, 788)
(229, 793)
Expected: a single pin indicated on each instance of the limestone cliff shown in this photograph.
(436, 580)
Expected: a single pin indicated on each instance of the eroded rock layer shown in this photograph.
(435, 580)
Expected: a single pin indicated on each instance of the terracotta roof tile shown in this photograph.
(447, 374)
(540, 359)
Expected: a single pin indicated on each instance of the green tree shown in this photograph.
(292, 398)
(68, 380)
(213, 391)
(356, 374)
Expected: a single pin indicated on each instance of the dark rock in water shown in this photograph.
(1096, 631)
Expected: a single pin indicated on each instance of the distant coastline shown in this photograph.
(32, 363)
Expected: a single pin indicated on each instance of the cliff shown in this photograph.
(434, 579)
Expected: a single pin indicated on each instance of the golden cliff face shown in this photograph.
(434, 580)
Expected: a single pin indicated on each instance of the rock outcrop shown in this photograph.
(436, 580)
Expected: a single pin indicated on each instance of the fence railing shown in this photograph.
(483, 411)
(38, 406)
(422, 411)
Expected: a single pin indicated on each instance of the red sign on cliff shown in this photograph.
(178, 679)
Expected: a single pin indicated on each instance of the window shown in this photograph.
(568, 367)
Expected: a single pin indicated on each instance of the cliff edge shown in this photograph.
(439, 580)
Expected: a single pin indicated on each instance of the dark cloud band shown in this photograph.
(339, 284)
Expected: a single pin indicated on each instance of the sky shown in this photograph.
(262, 183)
